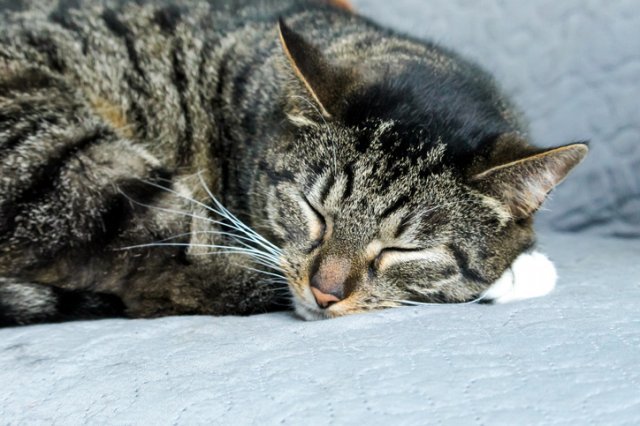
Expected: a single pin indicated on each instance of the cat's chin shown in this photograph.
(530, 275)
(309, 314)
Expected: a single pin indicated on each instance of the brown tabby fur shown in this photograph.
(384, 168)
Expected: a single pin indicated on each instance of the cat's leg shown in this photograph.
(218, 276)
(62, 171)
(75, 191)
(28, 303)
(66, 180)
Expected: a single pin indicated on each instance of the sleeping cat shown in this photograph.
(233, 157)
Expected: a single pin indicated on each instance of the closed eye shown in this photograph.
(316, 222)
(394, 255)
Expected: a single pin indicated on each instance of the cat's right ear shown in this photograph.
(523, 183)
(324, 82)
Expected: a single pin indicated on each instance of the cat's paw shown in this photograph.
(530, 275)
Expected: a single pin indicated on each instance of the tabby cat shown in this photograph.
(240, 156)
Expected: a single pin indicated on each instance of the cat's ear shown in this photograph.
(325, 83)
(522, 184)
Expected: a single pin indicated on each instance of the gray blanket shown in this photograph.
(569, 358)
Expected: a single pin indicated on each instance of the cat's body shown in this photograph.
(116, 117)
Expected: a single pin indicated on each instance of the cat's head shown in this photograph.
(374, 213)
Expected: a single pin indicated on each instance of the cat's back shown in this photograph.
(155, 60)
(149, 68)
(220, 15)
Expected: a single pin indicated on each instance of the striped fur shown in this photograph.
(129, 132)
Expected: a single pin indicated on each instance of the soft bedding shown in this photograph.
(569, 358)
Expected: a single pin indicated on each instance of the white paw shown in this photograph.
(530, 275)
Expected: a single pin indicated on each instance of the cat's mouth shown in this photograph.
(311, 313)
(306, 306)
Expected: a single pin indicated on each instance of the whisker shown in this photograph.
(240, 225)
(256, 260)
(413, 303)
(235, 221)
(264, 272)
(235, 237)
(277, 278)
(274, 251)
(179, 212)
(229, 249)
(250, 243)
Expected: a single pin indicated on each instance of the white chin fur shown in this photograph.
(530, 275)
(307, 314)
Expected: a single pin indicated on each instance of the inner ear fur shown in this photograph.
(342, 4)
(521, 176)
(324, 82)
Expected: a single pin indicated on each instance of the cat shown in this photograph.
(236, 157)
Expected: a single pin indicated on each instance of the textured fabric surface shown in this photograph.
(573, 67)
(570, 358)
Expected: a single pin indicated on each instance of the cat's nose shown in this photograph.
(324, 300)
(328, 280)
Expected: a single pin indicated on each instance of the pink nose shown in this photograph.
(324, 300)
(328, 280)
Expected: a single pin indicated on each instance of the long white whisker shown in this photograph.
(251, 234)
(413, 303)
(272, 249)
(278, 278)
(269, 264)
(179, 212)
(241, 226)
(235, 237)
(264, 272)
(267, 255)
(273, 259)
(230, 249)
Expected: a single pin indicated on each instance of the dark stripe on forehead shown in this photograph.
(363, 143)
(403, 225)
(136, 80)
(399, 203)
(275, 176)
(348, 187)
(220, 148)
(463, 263)
(326, 188)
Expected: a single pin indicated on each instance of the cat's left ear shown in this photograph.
(523, 184)
(325, 83)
